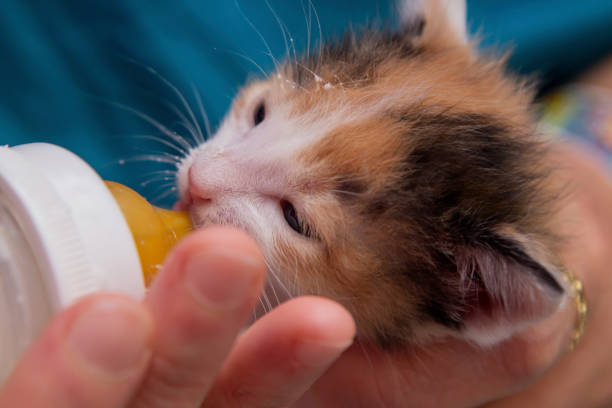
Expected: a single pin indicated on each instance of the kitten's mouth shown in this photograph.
(180, 206)
(184, 203)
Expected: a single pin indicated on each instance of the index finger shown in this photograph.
(200, 302)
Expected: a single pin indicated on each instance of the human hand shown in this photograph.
(180, 345)
(449, 373)
(582, 379)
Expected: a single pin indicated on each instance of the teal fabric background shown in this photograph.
(62, 62)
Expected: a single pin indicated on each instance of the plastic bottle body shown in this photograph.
(24, 303)
(63, 235)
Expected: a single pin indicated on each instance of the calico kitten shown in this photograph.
(398, 173)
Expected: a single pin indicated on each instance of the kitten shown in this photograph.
(398, 173)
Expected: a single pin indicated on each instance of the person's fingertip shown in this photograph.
(111, 335)
(222, 278)
(332, 332)
(335, 324)
(200, 301)
(231, 237)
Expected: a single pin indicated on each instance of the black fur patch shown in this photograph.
(465, 176)
(468, 163)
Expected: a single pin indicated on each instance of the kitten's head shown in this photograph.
(395, 172)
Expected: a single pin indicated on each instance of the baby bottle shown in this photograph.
(65, 233)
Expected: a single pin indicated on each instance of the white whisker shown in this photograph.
(292, 42)
(281, 26)
(271, 285)
(160, 173)
(285, 30)
(189, 129)
(274, 60)
(314, 9)
(249, 59)
(165, 194)
(174, 147)
(172, 135)
(179, 95)
(263, 306)
(163, 186)
(267, 300)
(150, 158)
(276, 276)
(156, 179)
(168, 155)
(308, 21)
(314, 74)
(202, 112)
(185, 123)
(173, 88)
(296, 276)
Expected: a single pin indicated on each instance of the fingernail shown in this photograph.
(221, 277)
(112, 335)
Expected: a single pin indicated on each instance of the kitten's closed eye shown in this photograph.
(293, 220)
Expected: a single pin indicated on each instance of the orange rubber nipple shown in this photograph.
(155, 230)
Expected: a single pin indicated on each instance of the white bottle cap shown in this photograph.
(62, 236)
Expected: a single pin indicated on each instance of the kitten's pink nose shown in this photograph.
(220, 177)
(198, 190)
(210, 179)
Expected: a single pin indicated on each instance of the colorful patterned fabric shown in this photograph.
(581, 114)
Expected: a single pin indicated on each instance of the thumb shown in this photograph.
(93, 354)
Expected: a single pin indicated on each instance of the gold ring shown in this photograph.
(576, 292)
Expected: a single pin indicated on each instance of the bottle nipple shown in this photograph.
(155, 230)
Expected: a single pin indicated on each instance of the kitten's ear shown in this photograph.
(508, 285)
(435, 23)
